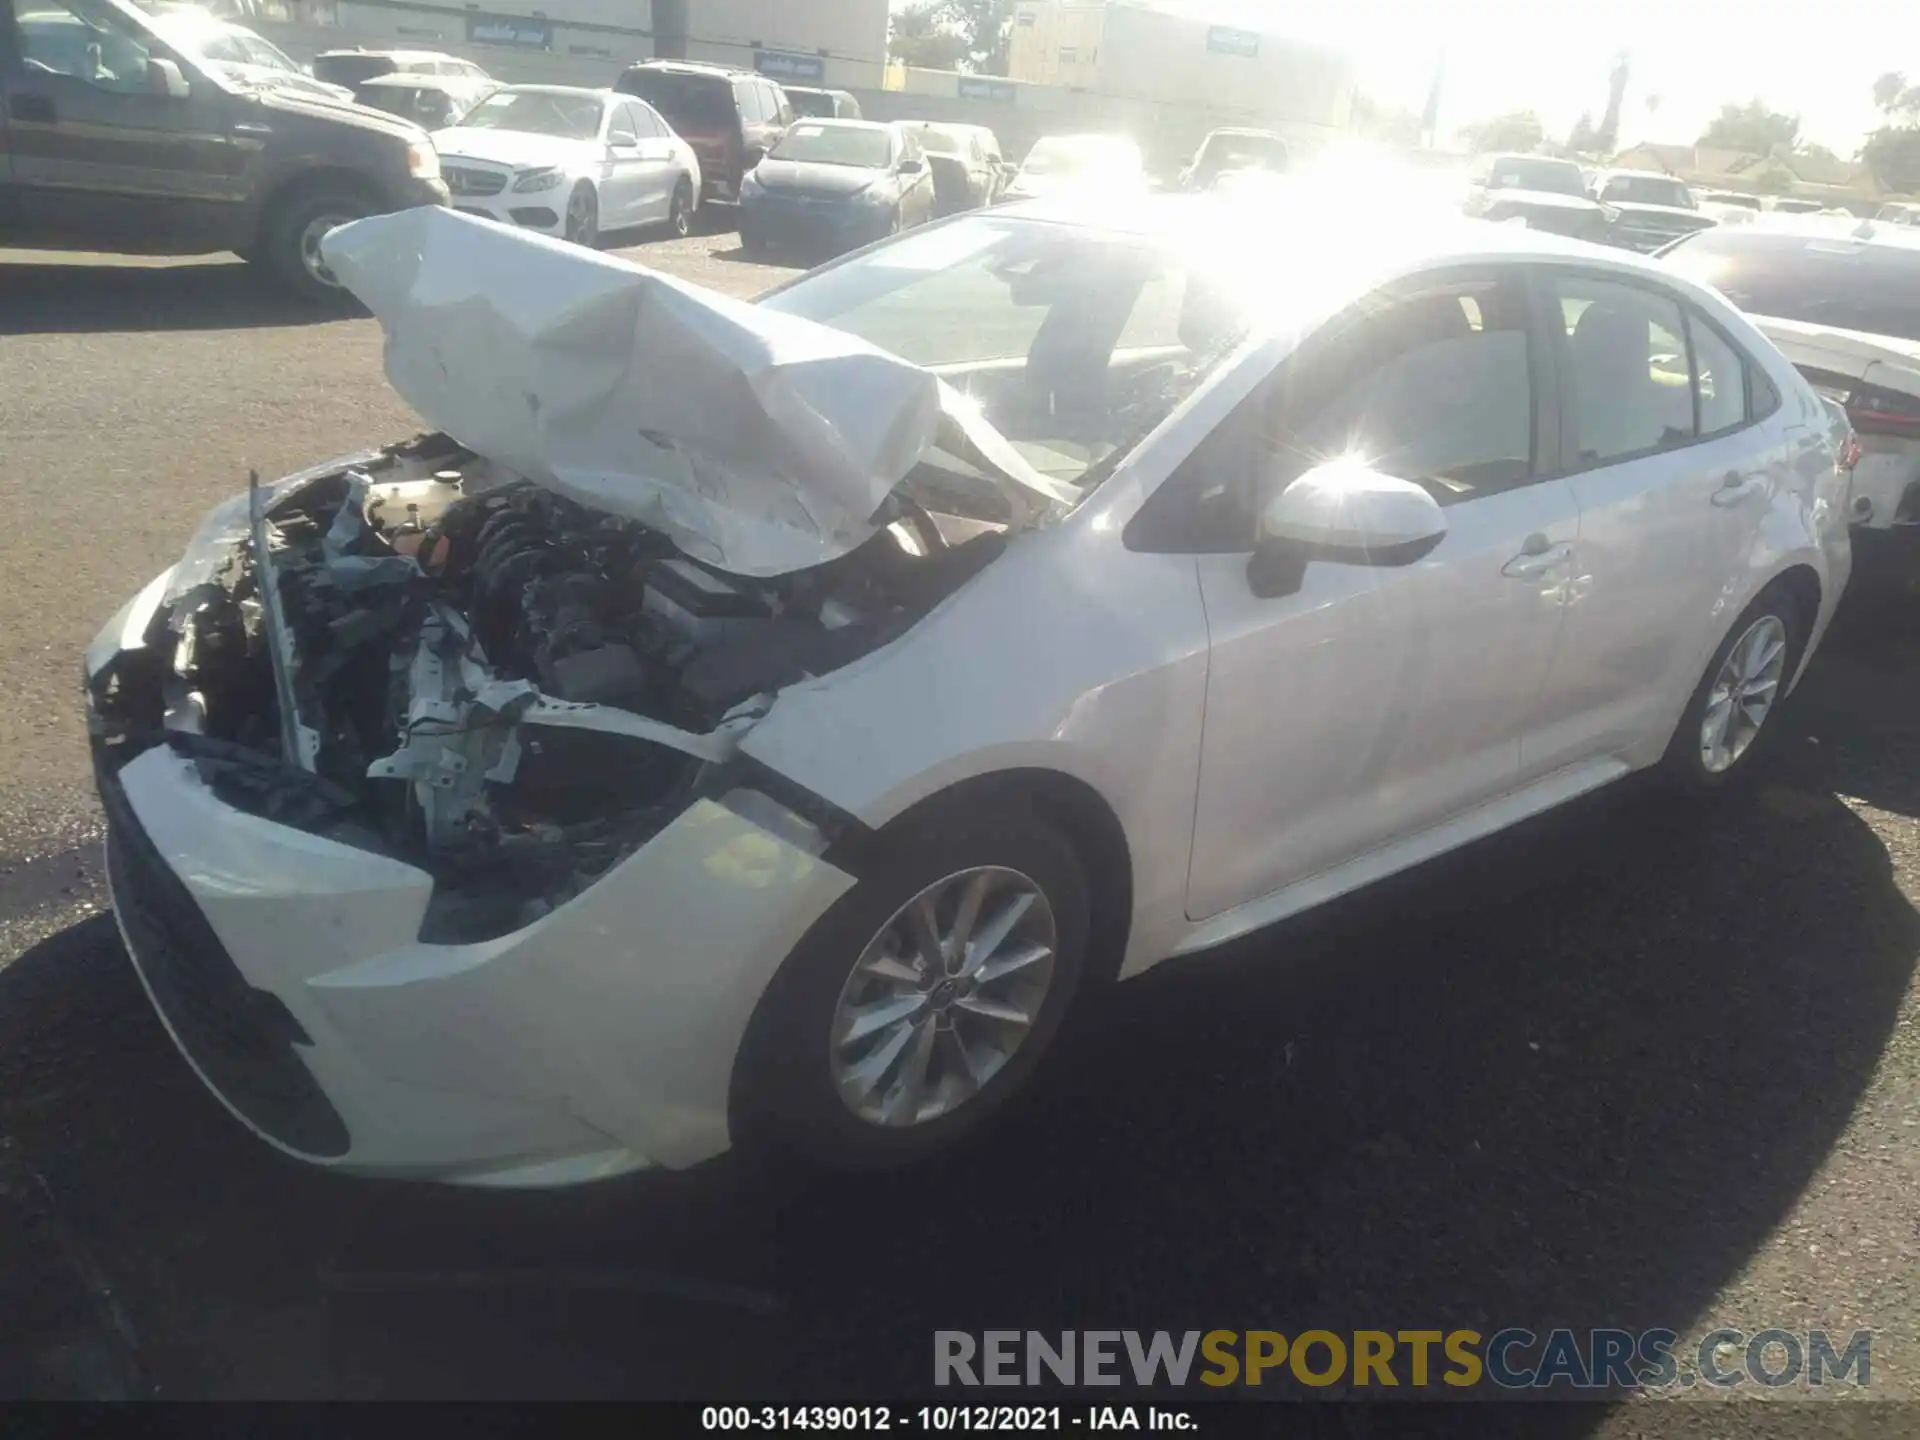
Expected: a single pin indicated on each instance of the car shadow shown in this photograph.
(49, 298)
(1573, 1075)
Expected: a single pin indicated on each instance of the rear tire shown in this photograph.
(290, 240)
(801, 1078)
(1733, 713)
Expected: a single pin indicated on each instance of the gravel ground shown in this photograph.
(1632, 1065)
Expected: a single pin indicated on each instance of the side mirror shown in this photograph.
(164, 78)
(752, 156)
(912, 167)
(1342, 513)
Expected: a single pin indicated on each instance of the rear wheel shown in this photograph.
(582, 225)
(923, 1001)
(290, 242)
(1731, 714)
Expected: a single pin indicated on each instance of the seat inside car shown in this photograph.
(1621, 408)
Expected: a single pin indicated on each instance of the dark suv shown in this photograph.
(731, 118)
(113, 138)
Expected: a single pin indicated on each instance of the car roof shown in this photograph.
(415, 80)
(697, 67)
(1244, 130)
(834, 122)
(584, 91)
(1642, 175)
(393, 54)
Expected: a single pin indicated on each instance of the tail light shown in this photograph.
(1875, 411)
(1850, 452)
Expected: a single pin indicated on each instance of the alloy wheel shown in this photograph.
(316, 230)
(1743, 694)
(582, 219)
(943, 996)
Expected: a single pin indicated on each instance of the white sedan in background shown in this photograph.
(801, 706)
(569, 162)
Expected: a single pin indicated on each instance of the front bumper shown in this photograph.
(811, 224)
(412, 192)
(543, 210)
(598, 1040)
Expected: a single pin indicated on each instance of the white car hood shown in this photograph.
(515, 149)
(758, 442)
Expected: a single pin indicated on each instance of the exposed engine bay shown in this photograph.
(426, 655)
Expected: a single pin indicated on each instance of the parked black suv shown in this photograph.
(113, 138)
(731, 118)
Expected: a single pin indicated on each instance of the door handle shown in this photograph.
(1735, 488)
(1535, 561)
(36, 109)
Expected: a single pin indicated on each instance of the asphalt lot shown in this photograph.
(1636, 1064)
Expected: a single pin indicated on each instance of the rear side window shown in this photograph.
(1821, 279)
(1720, 376)
(1629, 390)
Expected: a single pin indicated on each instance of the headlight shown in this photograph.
(534, 180)
(423, 161)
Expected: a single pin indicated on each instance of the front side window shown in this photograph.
(1625, 373)
(1430, 383)
(259, 52)
(88, 42)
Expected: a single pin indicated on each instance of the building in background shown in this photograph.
(1135, 50)
(838, 43)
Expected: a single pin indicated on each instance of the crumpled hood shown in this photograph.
(515, 149)
(815, 179)
(759, 442)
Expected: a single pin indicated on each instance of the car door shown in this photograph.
(1377, 702)
(101, 153)
(915, 178)
(623, 172)
(657, 172)
(1673, 485)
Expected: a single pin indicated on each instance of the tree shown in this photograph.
(1584, 138)
(1892, 152)
(1393, 124)
(1774, 178)
(1518, 130)
(953, 35)
(917, 36)
(1609, 132)
(1892, 96)
(1752, 129)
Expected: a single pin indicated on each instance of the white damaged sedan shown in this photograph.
(762, 724)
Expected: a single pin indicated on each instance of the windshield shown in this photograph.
(1073, 343)
(1069, 155)
(1225, 152)
(1648, 190)
(938, 142)
(1820, 279)
(815, 144)
(350, 70)
(1520, 172)
(537, 112)
(427, 107)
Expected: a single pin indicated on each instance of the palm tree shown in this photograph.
(1609, 135)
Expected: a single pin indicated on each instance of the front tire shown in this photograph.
(680, 211)
(582, 223)
(1732, 714)
(923, 1001)
(290, 243)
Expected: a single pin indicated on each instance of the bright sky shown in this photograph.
(1553, 57)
